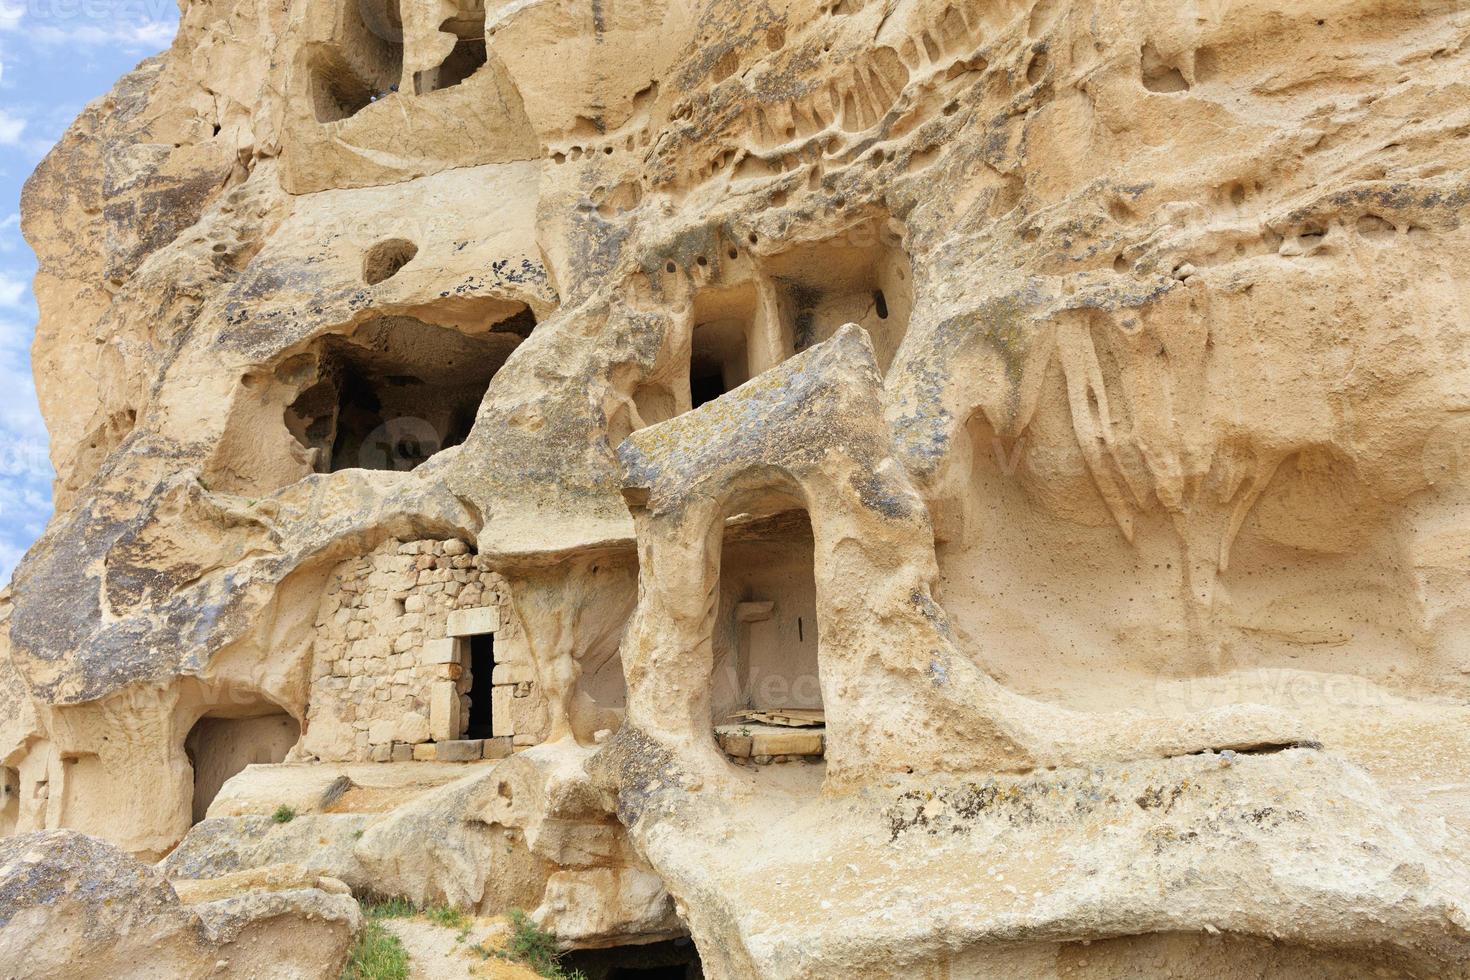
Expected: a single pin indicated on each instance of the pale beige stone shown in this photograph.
(445, 650)
(786, 743)
(512, 673)
(444, 711)
(468, 622)
(503, 713)
(1067, 399)
(459, 750)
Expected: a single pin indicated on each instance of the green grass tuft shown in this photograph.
(447, 916)
(377, 955)
(284, 814)
(395, 907)
(536, 948)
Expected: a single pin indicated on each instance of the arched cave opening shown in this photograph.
(362, 65)
(398, 390)
(674, 959)
(466, 57)
(766, 644)
(221, 747)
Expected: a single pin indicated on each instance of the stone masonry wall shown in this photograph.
(380, 662)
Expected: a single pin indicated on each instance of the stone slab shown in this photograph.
(444, 711)
(459, 750)
(502, 713)
(446, 650)
(795, 742)
(514, 673)
(473, 622)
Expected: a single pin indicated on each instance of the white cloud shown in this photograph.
(144, 36)
(12, 294)
(11, 128)
(130, 25)
(25, 468)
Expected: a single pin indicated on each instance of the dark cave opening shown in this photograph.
(363, 65)
(397, 391)
(675, 959)
(482, 669)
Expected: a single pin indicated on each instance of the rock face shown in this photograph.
(73, 906)
(1061, 405)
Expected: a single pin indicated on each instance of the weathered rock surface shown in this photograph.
(1067, 399)
(73, 906)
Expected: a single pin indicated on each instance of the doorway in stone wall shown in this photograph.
(481, 657)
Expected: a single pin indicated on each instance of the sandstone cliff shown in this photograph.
(463, 411)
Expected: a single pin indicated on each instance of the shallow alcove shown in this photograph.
(363, 64)
(862, 276)
(735, 337)
(675, 959)
(718, 361)
(654, 402)
(765, 634)
(397, 391)
(466, 57)
(384, 259)
(221, 747)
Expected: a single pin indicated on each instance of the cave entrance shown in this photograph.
(221, 747)
(675, 959)
(735, 337)
(362, 65)
(480, 658)
(466, 57)
(767, 620)
(397, 391)
(719, 358)
(863, 276)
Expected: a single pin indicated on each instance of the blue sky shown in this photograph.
(55, 57)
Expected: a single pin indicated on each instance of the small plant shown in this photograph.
(377, 955)
(447, 916)
(284, 814)
(396, 907)
(533, 946)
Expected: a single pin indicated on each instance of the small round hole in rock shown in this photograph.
(384, 259)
